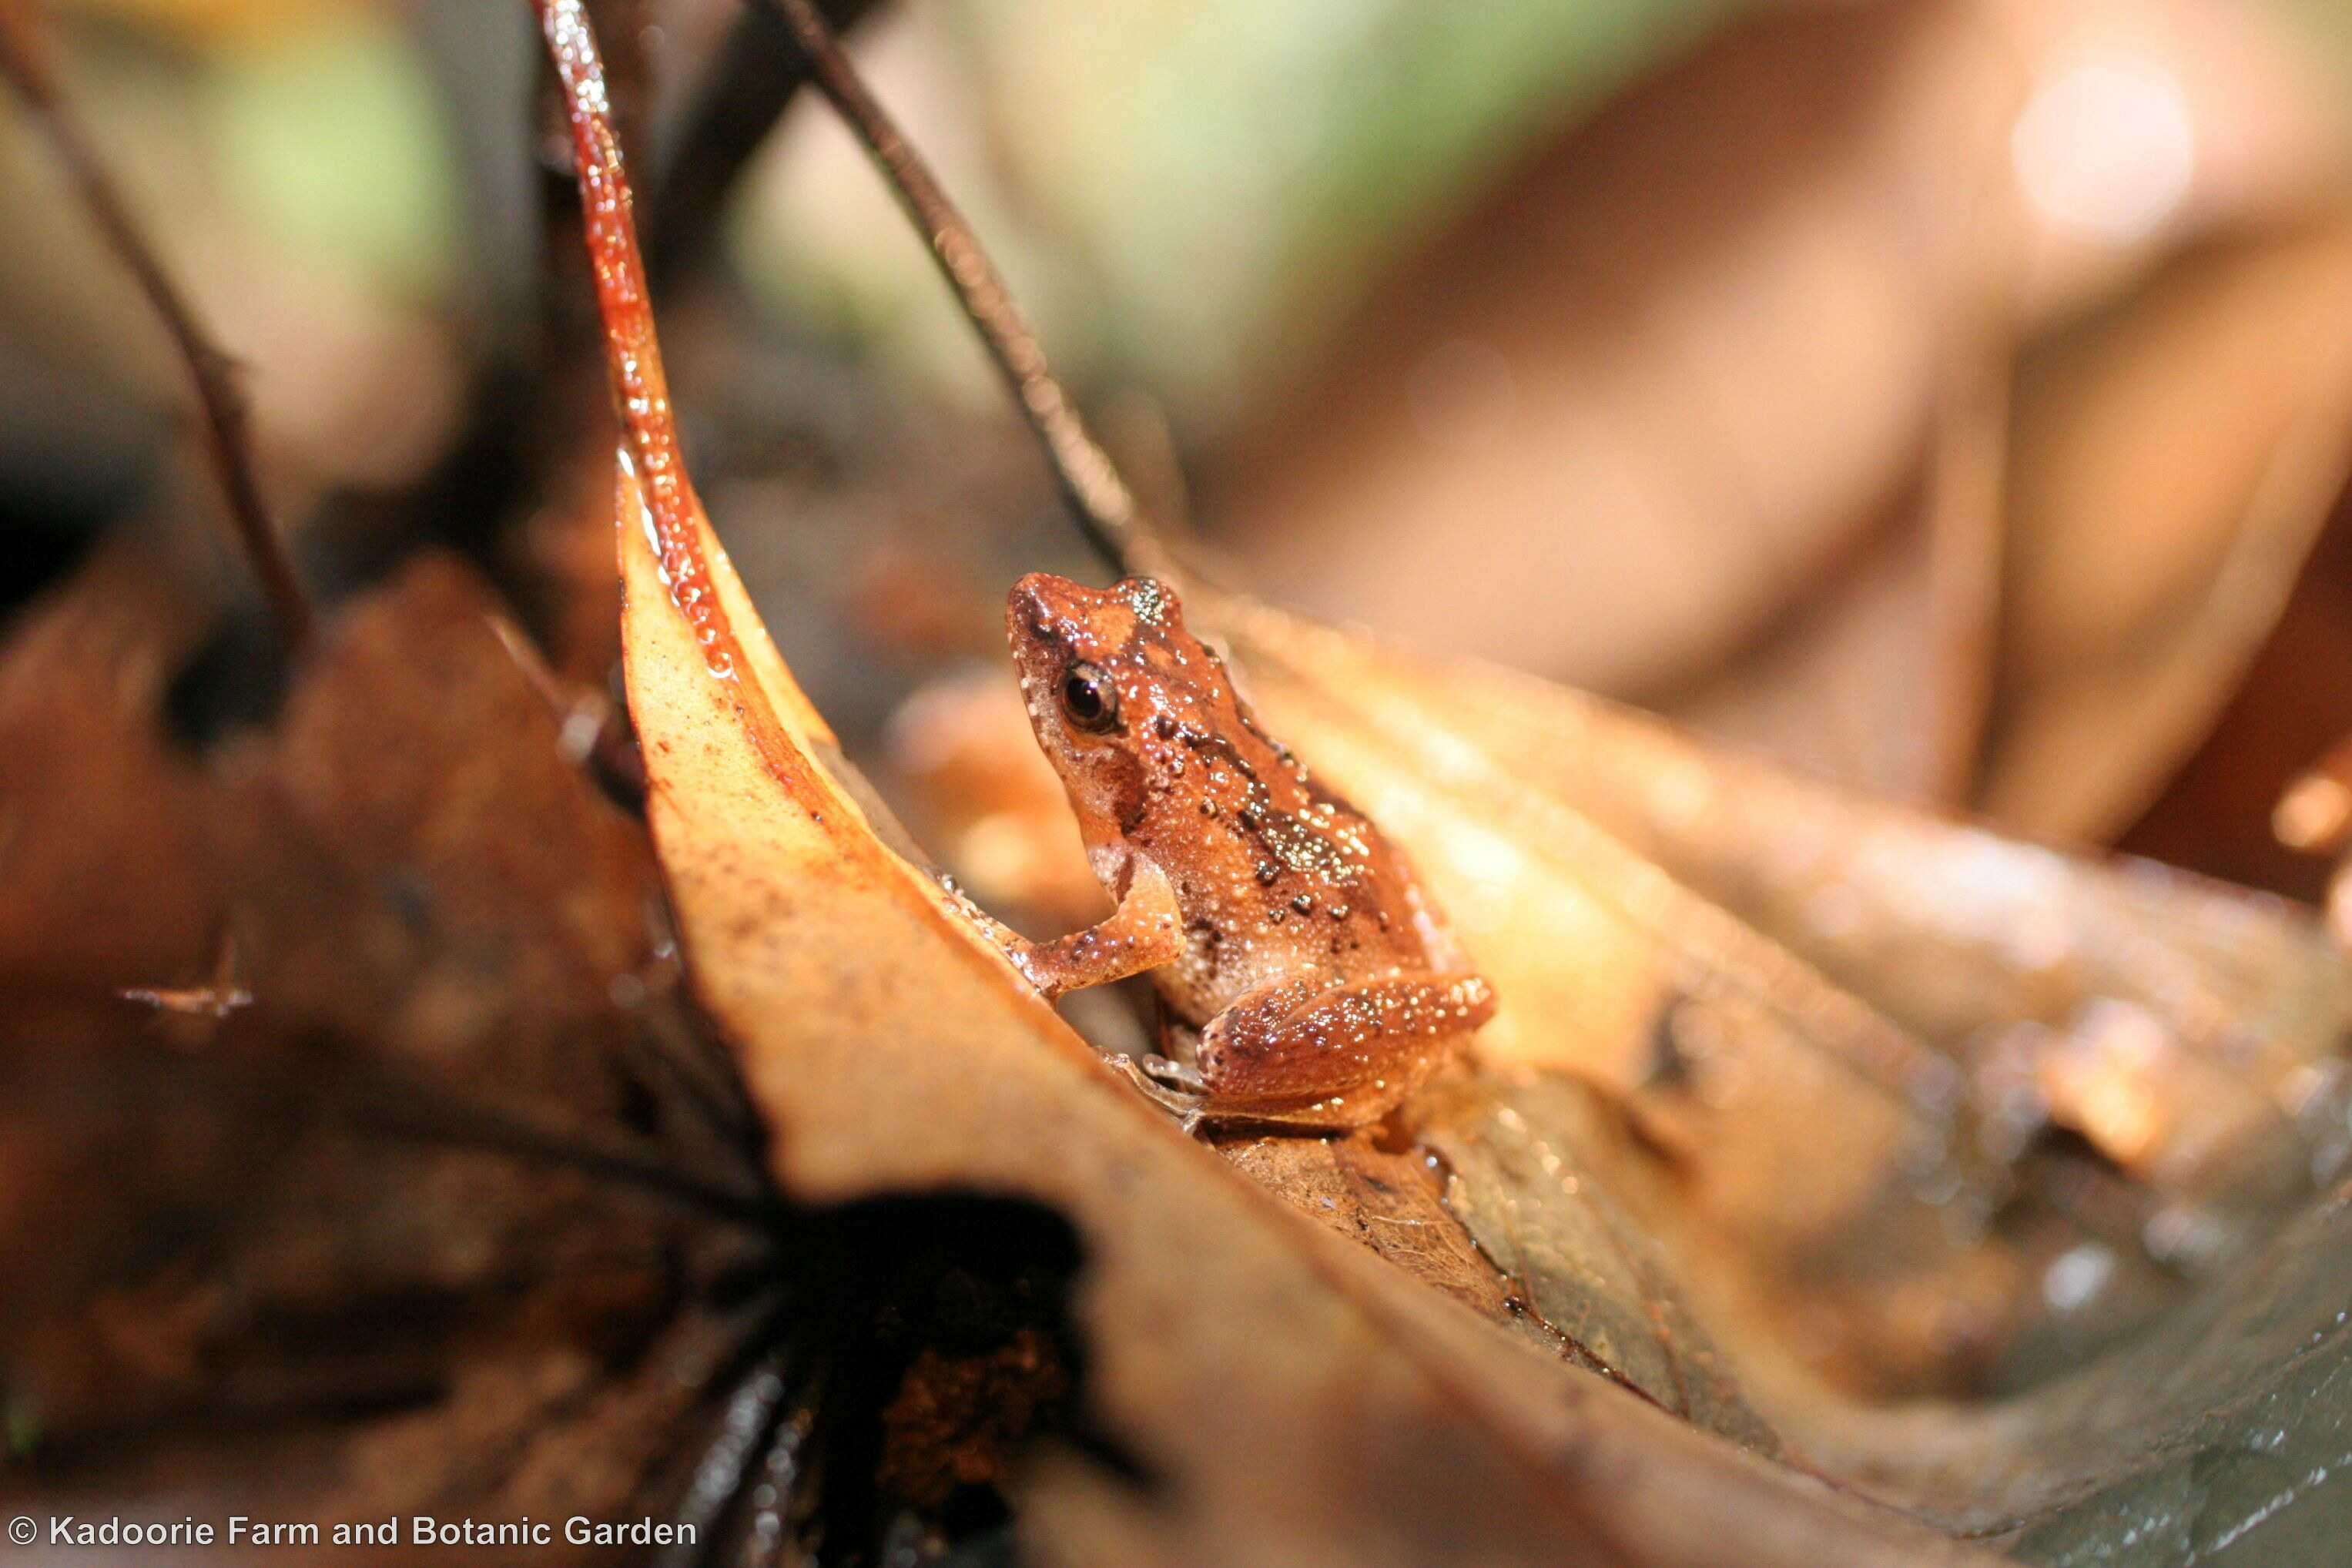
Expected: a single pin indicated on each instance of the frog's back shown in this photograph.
(1278, 875)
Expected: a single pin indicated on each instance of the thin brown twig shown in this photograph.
(24, 63)
(595, 734)
(1106, 508)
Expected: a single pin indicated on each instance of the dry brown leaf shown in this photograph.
(2174, 464)
(231, 1227)
(1708, 405)
(891, 1049)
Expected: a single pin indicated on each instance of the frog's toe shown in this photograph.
(1184, 1104)
(1176, 1075)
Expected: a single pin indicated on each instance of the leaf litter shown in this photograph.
(1766, 1047)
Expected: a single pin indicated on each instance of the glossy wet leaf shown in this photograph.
(1808, 1006)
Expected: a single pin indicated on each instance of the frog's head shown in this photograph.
(1116, 688)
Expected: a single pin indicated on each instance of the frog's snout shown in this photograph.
(1037, 622)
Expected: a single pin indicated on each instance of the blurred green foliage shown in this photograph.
(332, 137)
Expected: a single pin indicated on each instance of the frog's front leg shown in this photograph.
(1281, 1049)
(1145, 932)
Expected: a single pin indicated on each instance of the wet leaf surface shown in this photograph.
(1905, 955)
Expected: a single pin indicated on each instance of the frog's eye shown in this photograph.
(1090, 698)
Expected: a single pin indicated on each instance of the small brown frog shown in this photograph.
(1307, 980)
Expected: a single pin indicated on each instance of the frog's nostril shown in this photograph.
(1045, 605)
(1033, 598)
(1026, 613)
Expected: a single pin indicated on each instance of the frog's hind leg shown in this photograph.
(1307, 1051)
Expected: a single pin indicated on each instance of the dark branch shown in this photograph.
(386, 1103)
(1106, 508)
(22, 62)
(751, 80)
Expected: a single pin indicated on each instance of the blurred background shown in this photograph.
(1950, 395)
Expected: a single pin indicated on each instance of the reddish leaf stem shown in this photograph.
(633, 359)
(24, 62)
